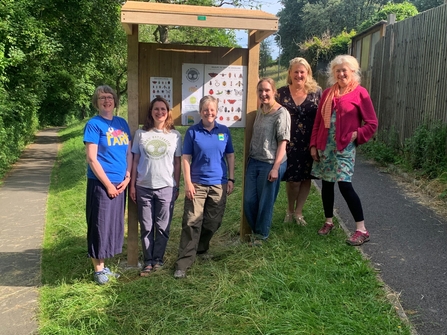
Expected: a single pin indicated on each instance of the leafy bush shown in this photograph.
(425, 152)
(322, 50)
(380, 152)
(426, 149)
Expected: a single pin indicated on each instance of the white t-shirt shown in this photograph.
(157, 150)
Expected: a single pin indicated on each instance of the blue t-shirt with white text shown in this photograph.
(112, 138)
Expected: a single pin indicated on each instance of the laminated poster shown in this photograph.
(192, 92)
(161, 86)
(227, 84)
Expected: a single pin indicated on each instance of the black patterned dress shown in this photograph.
(299, 160)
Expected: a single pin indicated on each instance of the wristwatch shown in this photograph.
(232, 180)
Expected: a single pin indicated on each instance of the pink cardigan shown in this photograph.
(352, 109)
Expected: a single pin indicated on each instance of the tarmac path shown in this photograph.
(23, 198)
(408, 246)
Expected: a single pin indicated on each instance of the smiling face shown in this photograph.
(208, 113)
(343, 74)
(298, 75)
(266, 93)
(159, 112)
(106, 103)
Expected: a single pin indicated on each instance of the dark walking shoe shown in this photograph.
(205, 256)
(179, 274)
(358, 238)
(326, 229)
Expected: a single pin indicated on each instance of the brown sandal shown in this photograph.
(146, 271)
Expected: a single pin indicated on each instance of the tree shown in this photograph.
(402, 11)
(303, 19)
(89, 38)
(25, 50)
(290, 29)
(265, 56)
(195, 35)
(423, 5)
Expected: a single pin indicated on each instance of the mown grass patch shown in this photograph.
(296, 283)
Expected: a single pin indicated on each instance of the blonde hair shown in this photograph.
(348, 60)
(206, 100)
(311, 86)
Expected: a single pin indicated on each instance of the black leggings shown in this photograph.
(348, 193)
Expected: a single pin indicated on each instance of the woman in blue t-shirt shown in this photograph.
(107, 145)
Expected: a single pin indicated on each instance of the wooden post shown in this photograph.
(252, 103)
(133, 102)
(391, 19)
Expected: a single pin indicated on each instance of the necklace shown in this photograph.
(109, 123)
(271, 108)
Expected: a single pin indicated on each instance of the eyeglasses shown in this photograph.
(106, 98)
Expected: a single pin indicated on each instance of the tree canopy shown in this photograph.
(307, 27)
(53, 53)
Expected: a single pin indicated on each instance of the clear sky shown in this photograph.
(269, 6)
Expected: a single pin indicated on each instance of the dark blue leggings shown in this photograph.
(348, 193)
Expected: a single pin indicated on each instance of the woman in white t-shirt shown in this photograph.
(155, 180)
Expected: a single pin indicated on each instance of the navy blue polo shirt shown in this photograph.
(208, 150)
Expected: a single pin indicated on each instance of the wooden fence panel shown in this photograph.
(408, 82)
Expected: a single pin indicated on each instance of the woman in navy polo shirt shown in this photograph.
(208, 172)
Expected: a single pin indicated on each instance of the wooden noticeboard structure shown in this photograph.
(146, 60)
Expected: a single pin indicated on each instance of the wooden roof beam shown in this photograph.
(261, 35)
(136, 12)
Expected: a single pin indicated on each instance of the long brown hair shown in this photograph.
(149, 123)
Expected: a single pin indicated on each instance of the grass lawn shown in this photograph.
(296, 283)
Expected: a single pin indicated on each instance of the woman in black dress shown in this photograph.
(301, 97)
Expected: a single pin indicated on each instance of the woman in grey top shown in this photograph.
(267, 160)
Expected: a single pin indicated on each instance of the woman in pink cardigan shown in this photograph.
(344, 120)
